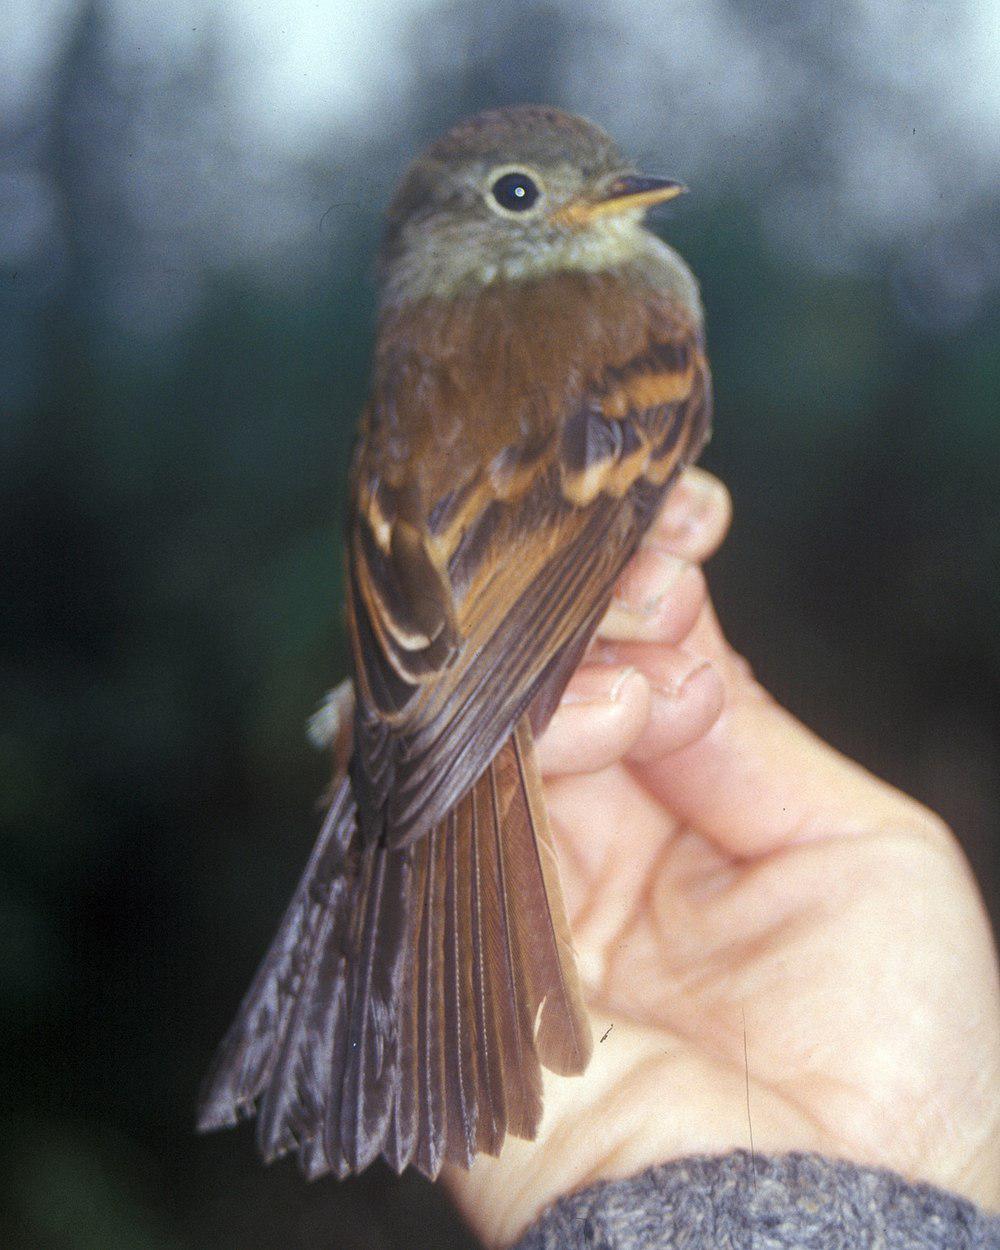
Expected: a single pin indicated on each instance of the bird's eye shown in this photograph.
(515, 192)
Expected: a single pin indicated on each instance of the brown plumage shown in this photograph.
(537, 387)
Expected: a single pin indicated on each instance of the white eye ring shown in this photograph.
(520, 186)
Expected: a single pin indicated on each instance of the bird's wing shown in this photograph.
(465, 615)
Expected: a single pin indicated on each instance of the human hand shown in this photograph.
(766, 926)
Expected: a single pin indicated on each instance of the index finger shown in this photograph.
(758, 779)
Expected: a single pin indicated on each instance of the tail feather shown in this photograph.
(491, 1121)
(244, 1063)
(514, 1020)
(563, 1035)
(294, 1100)
(401, 1135)
(460, 1065)
(412, 993)
(432, 1122)
(378, 958)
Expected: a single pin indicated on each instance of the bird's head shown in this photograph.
(514, 194)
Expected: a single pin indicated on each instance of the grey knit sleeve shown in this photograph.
(787, 1202)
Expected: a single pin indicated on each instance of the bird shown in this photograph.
(539, 382)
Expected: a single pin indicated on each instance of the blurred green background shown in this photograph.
(190, 206)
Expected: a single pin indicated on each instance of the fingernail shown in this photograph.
(597, 685)
(705, 488)
(624, 677)
(678, 687)
(688, 507)
(633, 592)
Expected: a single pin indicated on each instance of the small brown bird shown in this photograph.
(539, 383)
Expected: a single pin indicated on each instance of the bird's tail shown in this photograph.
(411, 994)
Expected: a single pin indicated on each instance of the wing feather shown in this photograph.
(529, 576)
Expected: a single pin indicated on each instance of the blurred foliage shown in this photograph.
(171, 582)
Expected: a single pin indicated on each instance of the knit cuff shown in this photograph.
(787, 1202)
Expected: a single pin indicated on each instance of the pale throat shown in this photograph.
(446, 265)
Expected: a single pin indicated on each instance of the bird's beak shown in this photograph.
(627, 193)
